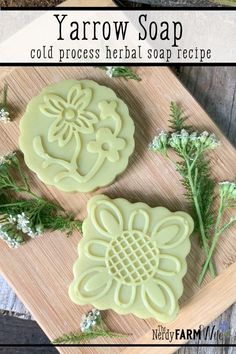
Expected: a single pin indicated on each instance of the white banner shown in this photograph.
(117, 36)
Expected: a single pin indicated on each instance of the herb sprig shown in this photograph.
(80, 337)
(193, 164)
(120, 71)
(227, 191)
(20, 218)
(92, 326)
(4, 113)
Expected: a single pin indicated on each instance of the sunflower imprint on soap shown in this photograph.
(132, 258)
(77, 135)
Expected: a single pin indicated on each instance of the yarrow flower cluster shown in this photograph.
(7, 159)
(13, 229)
(120, 71)
(207, 141)
(91, 327)
(228, 190)
(4, 116)
(90, 320)
(22, 223)
(160, 143)
(22, 219)
(193, 165)
(183, 140)
(201, 142)
(110, 71)
(11, 235)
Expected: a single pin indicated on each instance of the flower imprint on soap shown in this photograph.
(130, 257)
(71, 115)
(107, 144)
(73, 118)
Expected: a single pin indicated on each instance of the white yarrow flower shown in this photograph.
(11, 219)
(193, 136)
(109, 71)
(160, 143)
(7, 159)
(4, 116)
(90, 320)
(2, 160)
(228, 189)
(11, 241)
(203, 136)
(22, 221)
(23, 225)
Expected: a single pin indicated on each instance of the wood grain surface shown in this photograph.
(196, 311)
(199, 81)
(214, 88)
(41, 283)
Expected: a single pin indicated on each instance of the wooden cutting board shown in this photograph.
(41, 271)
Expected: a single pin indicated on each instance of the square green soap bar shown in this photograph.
(132, 258)
(77, 135)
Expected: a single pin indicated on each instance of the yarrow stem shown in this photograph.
(227, 194)
(77, 338)
(194, 168)
(200, 220)
(91, 326)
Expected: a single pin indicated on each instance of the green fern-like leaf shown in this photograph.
(205, 186)
(177, 118)
(39, 213)
(81, 337)
(205, 189)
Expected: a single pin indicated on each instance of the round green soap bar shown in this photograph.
(77, 135)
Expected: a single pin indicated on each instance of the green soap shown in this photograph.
(132, 258)
(77, 135)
